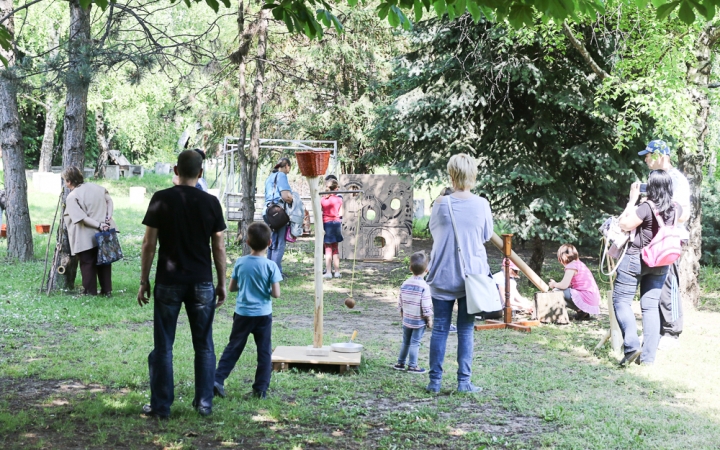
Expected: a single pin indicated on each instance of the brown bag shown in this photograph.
(550, 307)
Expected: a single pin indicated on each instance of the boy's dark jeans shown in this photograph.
(261, 329)
(199, 300)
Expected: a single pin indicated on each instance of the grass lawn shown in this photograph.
(73, 370)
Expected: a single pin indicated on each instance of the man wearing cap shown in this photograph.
(657, 157)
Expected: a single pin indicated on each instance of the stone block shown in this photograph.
(47, 182)
(112, 172)
(163, 168)
(137, 194)
(419, 208)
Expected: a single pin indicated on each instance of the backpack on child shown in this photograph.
(665, 247)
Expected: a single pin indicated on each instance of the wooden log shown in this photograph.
(524, 268)
(518, 327)
(550, 307)
(314, 183)
(491, 326)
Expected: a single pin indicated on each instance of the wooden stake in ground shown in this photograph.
(523, 325)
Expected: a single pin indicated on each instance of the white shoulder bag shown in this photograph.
(480, 289)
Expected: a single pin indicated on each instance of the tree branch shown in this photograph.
(584, 53)
(25, 6)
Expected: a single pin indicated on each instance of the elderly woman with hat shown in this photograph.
(517, 301)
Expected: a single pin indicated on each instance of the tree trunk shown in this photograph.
(691, 161)
(46, 148)
(103, 143)
(77, 84)
(19, 233)
(538, 255)
(248, 161)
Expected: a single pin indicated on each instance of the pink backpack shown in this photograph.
(665, 247)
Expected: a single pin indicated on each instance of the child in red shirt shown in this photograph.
(332, 225)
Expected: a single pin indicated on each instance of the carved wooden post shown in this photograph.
(507, 251)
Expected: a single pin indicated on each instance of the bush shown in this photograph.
(421, 227)
(711, 224)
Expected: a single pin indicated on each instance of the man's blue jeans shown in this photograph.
(261, 329)
(630, 273)
(199, 300)
(442, 309)
(410, 345)
(277, 247)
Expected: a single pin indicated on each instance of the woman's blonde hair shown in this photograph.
(567, 253)
(462, 169)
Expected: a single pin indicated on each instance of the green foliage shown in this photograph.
(649, 77)
(527, 111)
(711, 223)
(421, 227)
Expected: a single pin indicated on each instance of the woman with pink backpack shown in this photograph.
(651, 249)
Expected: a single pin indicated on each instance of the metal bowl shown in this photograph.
(346, 347)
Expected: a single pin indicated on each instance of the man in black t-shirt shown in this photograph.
(184, 220)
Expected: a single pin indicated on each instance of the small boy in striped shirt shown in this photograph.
(415, 304)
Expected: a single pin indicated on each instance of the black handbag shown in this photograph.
(109, 249)
(275, 215)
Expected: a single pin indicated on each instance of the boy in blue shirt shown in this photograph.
(255, 278)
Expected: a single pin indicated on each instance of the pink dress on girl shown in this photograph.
(584, 290)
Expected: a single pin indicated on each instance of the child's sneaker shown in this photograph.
(327, 275)
(416, 369)
(453, 329)
(399, 366)
(338, 275)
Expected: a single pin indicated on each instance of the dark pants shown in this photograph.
(92, 273)
(632, 272)
(567, 294)
(276, 251)
(261, 329)
(199, 300)
(671, 312)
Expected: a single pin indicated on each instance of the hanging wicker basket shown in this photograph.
(313, 163)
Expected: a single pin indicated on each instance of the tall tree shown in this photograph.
(77, 85)
(248, 158)
(526, 110)
(20, 243)
(692, 158)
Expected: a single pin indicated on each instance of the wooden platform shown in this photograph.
(520, 325)
(284, 358)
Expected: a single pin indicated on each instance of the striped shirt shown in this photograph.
(415, 302)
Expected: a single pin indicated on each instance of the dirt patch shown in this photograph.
(22, 393)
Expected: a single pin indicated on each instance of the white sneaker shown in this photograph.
(327, 275)
(668, 343)
(338, 275)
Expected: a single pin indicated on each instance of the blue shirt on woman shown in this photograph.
(280, 181)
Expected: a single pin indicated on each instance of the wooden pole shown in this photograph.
(524, 268)
(507, 250)
(314, 183)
